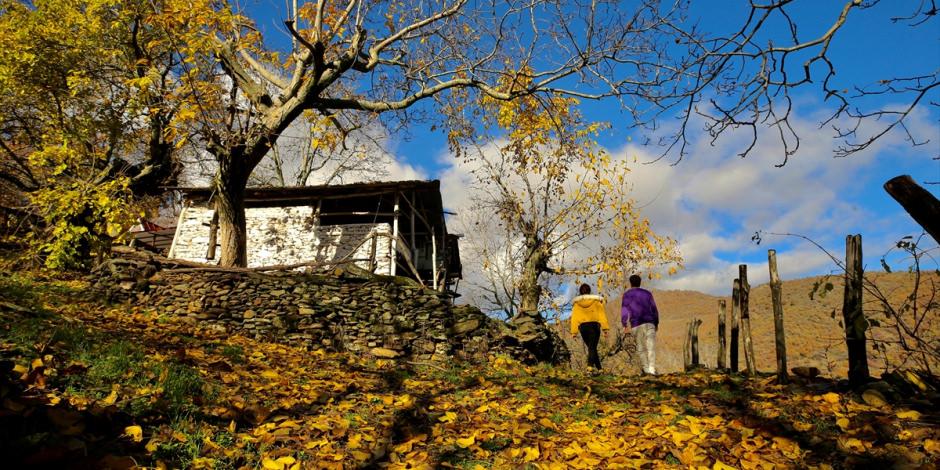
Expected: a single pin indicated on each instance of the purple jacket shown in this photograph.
(638, 307)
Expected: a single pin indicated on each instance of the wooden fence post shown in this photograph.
(735, 323)
(746, 320)
(696, 323)
(687, 348)
(776, 296)
(722, 339)
(852, 316)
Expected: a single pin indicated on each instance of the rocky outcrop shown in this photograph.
(343, 309)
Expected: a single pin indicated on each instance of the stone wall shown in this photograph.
(380, 315)
(285, 235)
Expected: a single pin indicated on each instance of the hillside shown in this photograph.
(814, 336)
(85, 384)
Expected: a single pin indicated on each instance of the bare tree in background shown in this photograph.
(492, 280)
(313, 152)
(746, 78)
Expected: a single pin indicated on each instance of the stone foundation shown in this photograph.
(380, 315)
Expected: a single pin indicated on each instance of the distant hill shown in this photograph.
(814, 335)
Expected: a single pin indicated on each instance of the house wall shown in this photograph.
(285, 235)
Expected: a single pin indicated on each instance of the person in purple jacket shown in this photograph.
(638, 310)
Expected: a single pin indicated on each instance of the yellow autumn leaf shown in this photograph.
(908, 414)
(801, 426)
(679, 437)
(135, 433)
(448, 417)
(152, 446)
(466, 441)
(932, 447)
(719, 465)
(831, 398)
(530, 453)
(111, 398)
(270, 374)
(852, 444)
(843, 423)
(270, 464)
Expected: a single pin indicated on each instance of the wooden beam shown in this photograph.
(434, 259)
(776, 297)
(696, 323)
(334, 214)
(722, 335)
(735, 323)
(852, 316)
(414, 244)
(394, 246)
(745, 293)
(179, 225)
(918, 202)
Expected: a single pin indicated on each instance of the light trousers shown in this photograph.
(645, 336)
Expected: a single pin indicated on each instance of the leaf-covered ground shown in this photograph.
(89, 385)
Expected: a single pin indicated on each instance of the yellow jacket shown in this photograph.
(588, 308)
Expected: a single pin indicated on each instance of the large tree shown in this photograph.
(387, 57)
(565, 205)
(84, 120)
(369, 57)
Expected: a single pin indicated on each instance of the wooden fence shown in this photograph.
(740, 328)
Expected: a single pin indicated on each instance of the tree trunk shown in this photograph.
(918, 202)
(852, 315)
(230, 206)
(531, 330)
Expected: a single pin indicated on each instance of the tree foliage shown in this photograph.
(565, 203)
(79, 134)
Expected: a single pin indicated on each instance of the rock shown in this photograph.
(384, 353)
(466, 326)
(874, 398)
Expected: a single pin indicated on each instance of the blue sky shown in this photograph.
(712, 201)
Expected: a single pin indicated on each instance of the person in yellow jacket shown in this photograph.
(588, 317)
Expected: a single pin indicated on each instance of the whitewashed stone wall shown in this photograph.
(285, 235)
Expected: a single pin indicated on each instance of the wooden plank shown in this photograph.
(434, 259)
(213, 235)
(776, 297)
(394, 247)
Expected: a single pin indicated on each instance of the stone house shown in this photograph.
(390, 228)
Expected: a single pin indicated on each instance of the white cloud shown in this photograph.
(713, 201)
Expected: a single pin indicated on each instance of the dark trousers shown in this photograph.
(591, 334)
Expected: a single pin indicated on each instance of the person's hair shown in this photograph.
(584, 289)
(635, 280)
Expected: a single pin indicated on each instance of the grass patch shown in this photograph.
(584, 412)
(234, 353)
